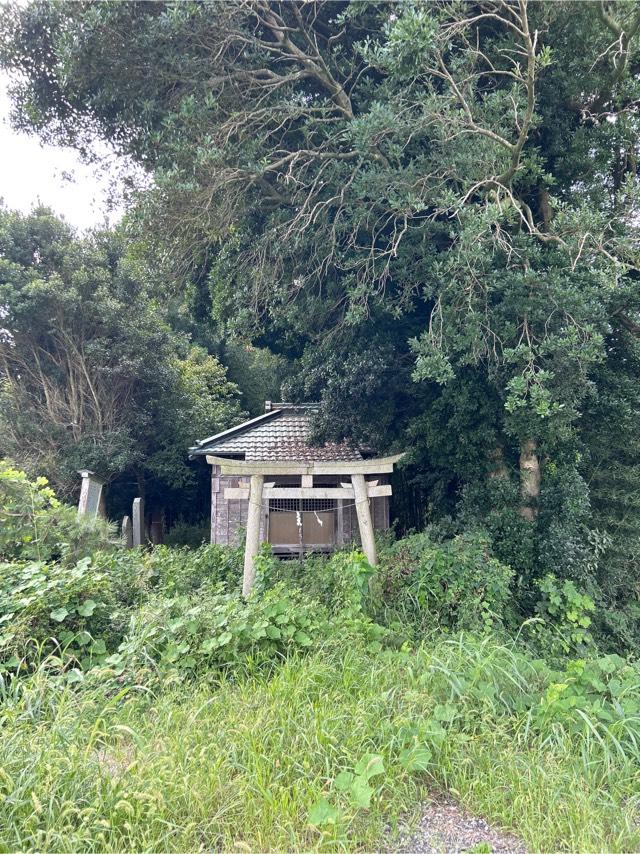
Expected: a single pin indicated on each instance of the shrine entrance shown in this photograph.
(355, 487)
(302, 524)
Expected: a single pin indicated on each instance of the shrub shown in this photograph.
(564, 620)
(178, 571)
(595, 696)
(618, 629)
(85, 607)
(341, 580)
(34, 525)
(50, 585)
(453, 585)
(43, 605)
(196, 620)
(213, 630)
(183, 533)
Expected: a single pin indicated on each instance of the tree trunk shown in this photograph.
(545, 208)
(497, 464)
(529, 480)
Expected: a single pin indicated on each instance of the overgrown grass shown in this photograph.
(317, 715)
(239, 765)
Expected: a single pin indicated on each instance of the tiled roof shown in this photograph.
(282, 434)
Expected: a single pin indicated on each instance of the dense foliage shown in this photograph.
(66, 585)
(340, 696)
(426, 212)
(424, 216)
(91, 373)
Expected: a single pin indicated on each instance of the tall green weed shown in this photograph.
(450, 586)
(329, 751)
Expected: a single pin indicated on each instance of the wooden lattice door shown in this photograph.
(302, 521)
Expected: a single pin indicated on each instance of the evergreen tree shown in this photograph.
(91, 374)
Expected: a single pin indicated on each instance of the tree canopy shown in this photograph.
(91, 373)
(430, 211)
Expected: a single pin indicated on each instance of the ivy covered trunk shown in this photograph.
(529, 479)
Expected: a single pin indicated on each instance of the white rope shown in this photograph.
(265, 505)
(294, 510)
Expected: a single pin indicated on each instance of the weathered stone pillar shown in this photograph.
(252, 546)
(91, 501)
(127, 533)
(138, 522)
(157, 528)
(364, 518)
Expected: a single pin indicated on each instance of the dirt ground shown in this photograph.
(445, 828)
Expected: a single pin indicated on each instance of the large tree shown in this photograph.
(432, 206)
(91, 374)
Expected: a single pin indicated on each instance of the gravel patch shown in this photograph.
(114, 764)
(445, 828)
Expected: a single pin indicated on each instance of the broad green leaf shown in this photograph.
(322, 812)
(116, 662)
(361, 793)
(370, 765)
(415, 758)
(444, 712)
(59, 614)
(87, 608)
(343, 781)
(302, 638)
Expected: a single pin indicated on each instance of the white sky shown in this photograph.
(31, 172)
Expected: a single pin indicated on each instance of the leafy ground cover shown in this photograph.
(321, 752)
(145, 705)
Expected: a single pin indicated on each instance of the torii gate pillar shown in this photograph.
(252, 546)
(363, 510)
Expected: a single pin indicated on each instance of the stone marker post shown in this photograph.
(91, 501)
(138, 522)
(156, 529)
(127, 533)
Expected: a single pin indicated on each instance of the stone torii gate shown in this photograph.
(258, 491)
